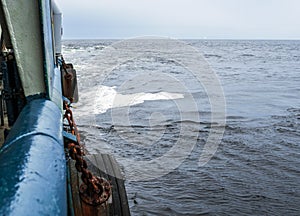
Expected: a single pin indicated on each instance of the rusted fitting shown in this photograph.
(96, 191)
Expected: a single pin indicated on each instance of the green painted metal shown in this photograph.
(23, 23)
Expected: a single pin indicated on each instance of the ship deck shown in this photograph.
(102, 165)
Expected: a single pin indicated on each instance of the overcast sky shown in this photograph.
(212, 19)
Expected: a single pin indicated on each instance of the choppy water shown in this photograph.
(256, 169)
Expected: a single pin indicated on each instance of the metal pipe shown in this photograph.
(32, 163)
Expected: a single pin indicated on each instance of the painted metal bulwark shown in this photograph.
(23, 22)
(55, 90)
(51, 72)
(47, 41)
(57, 21)
(32, 163)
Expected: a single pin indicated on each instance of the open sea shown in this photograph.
(200, 127)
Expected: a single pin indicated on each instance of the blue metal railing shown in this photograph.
(32, 163)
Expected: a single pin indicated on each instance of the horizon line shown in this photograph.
(183, 38)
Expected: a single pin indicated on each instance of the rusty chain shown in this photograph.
(94, 190)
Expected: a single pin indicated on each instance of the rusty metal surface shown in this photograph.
(94, 190)
(100, 165)
(69, 82)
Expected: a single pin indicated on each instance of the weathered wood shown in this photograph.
(117, 208)
(99, 162)
(121, 186)
(74, 182)
(105, 166)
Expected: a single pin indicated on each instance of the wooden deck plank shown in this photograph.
(93, 166)
(99, 162)
(116, 196)
(117, 210)
(121, 186)
(101, 165)
(75, 188)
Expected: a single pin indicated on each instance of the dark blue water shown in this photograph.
(142, 106)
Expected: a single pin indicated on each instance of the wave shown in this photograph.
(212, 56)
(247, 55)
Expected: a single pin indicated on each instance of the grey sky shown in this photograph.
(235, 19)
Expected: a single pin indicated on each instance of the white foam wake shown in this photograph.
(106, 97)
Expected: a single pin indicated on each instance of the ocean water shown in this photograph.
(145, 102)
